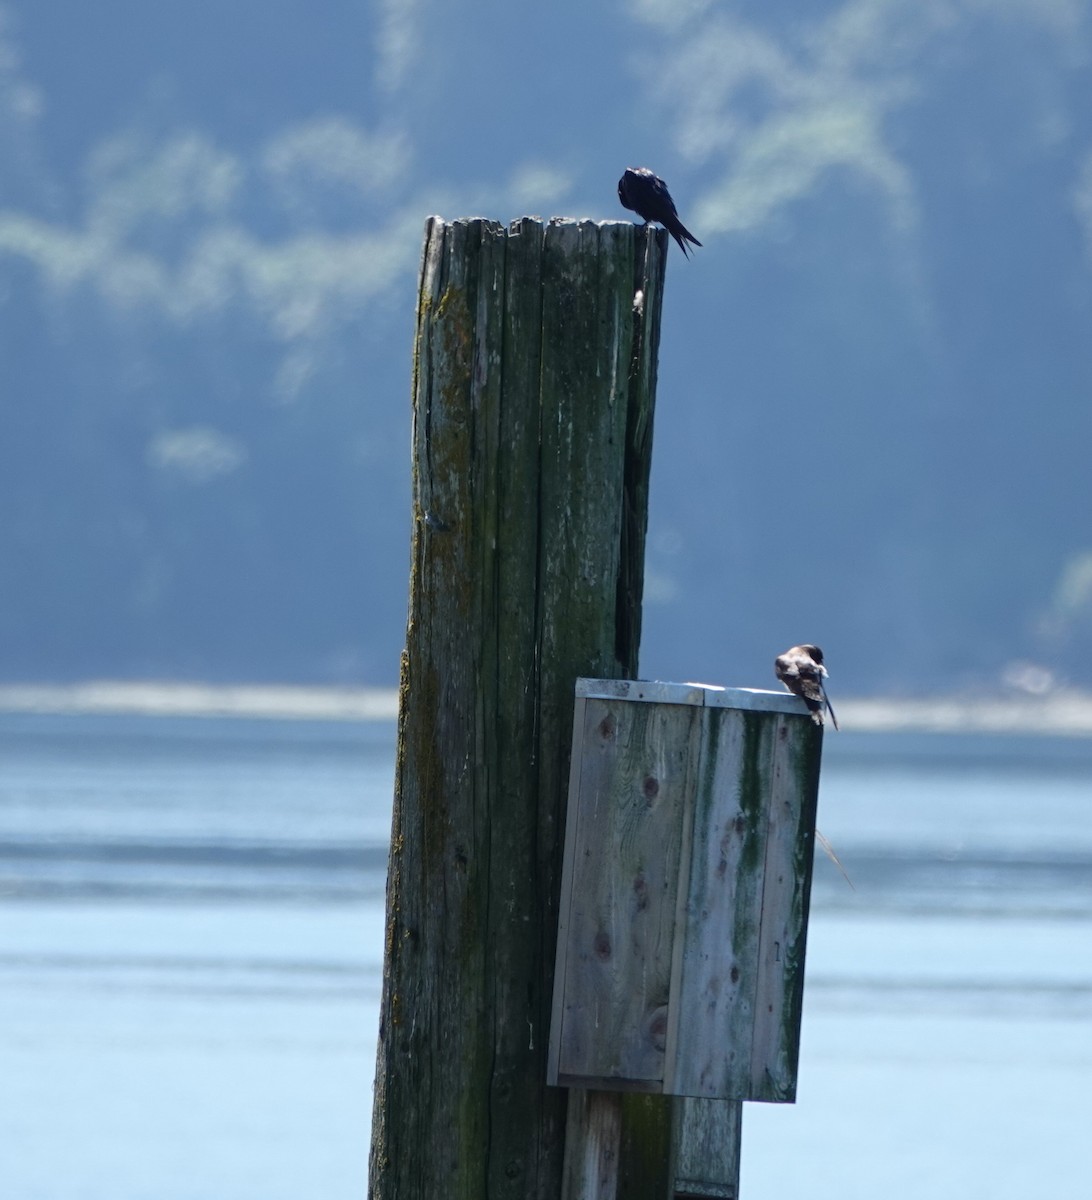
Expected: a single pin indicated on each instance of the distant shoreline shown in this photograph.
(164, 699)
(1067, 714)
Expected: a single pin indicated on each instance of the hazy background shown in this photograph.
(873, 429)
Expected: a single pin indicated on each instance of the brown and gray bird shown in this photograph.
(801, 670)
(646, 194)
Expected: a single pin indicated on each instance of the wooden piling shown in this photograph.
(533, 389)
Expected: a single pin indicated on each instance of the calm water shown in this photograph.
(191, 942)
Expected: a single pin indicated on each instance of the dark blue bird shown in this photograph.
(646, 194)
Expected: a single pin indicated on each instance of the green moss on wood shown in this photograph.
(511, 599)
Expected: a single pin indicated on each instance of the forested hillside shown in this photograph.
(875, 406)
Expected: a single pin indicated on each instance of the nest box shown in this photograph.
(685, 891)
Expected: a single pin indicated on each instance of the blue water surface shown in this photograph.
(191, 916)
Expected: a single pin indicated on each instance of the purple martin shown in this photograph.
(646, 194)
(801, 670)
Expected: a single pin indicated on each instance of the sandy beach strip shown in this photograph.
(165, 699)
(1058, 713)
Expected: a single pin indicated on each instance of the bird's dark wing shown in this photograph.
(811, 688)
(668, 215)
(783, 668)
(801, 676)
(659, 197)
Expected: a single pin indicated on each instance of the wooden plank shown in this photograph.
(706, 1141)
(709, 1033)
(740, 961)
(519, 862)
(793, 792)
(756, 700)
(637, 769)
(655, 691)
(592, 1139)
(643, 691)
(565, 906)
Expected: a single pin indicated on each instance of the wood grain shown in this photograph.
(684, 918)
(524, 425)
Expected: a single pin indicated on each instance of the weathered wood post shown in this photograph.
(534, 382)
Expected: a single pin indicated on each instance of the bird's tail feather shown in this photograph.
(682, 235)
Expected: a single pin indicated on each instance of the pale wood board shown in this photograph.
(792, 791)
(637, 769)
(592, 1137)
(706, 1147)
(710, 1050)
